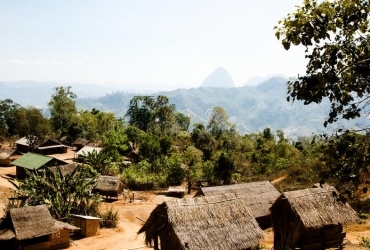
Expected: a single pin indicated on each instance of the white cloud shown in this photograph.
(76, 63)
(57, 63)
(16, 61)
(38, 62)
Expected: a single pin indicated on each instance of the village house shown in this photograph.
(50, 147)
(209, 222)
(258, 197)
(33, 161)
(8, 155)
(109, 186)
(33, 228)
(310, 219)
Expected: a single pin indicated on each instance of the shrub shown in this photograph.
(365, 241)
(110, 218)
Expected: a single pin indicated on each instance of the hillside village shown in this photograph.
(151, 180)
(273, 162)
(250, 203)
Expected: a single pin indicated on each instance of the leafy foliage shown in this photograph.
(63, 195)
(62, 107)
(30, 123)
(336, 37)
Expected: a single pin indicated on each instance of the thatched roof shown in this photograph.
(6, 153)
(108, 184)
(209, 222)
(258, 196)
(31, 222)
(81, 141)
(65, 169)
(6, 234)
(317, 207)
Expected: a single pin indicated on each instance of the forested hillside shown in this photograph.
(251, 108)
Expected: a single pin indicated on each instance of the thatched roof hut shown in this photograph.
(64, 169)
(33, 228)
(22, 145)
(109, 186)
(210, 222)
(80, 143)
(8, 155)
(31, 222)
(258, 197)
(50, 147)
(66, 140)
(310, 219)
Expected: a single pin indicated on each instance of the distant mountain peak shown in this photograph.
(219, 78)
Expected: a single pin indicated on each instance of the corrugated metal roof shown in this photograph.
(22, 141)
(32, 161)
(89, 149)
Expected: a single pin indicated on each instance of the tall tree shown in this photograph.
(30, 123)
(192, 160)
(62, 107)
(141, 111)
(336, 35)
(164, 114)
(218, 122)
(7, 108)
(224, 168)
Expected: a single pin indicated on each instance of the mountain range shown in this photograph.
(250, 108)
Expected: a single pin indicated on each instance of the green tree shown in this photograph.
(192, 160)
(224, 168)
(30, 123)
(7, 108)
(62, 107)
(336, 36)
(164, 114)
(183, 121)
(141, 111)
(115, 143)
(218, 122)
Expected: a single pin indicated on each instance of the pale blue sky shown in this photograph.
(143, 43)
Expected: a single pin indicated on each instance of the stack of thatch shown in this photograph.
(214, 222)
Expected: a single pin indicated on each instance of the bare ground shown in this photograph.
(131, 216)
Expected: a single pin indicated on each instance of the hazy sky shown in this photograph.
(143, 43)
